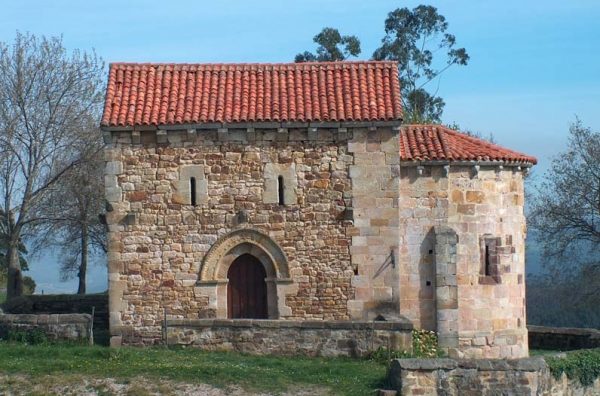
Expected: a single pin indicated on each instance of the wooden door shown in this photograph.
(247, 289)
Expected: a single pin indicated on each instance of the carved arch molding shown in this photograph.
(245, 240)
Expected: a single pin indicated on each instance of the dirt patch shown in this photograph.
(16, 384)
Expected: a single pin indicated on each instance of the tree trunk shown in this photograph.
(14, 287)
(84, 258)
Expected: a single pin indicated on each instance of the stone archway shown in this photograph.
(212, 279)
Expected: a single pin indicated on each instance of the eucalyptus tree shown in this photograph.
(47, 95)
(418, 40)
(332, 46)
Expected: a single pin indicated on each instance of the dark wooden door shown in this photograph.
(247, 289)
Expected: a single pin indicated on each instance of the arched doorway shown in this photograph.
(247, 289)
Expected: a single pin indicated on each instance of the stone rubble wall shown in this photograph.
(56, 327)
(286, 337)
(157, 240)
(562, 338)
(528, 376)
(445, 214)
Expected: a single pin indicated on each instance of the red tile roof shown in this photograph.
(438, 143)
(155, 94)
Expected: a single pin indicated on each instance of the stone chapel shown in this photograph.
(285, 208)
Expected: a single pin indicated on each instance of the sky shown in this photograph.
(533, 69)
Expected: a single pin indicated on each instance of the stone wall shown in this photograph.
(529, 376)
(562, 338)
(62, 304)
(288, 337)
(57, 327)
(159, 243)
(447, 215)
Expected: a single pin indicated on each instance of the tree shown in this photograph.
(74, 206)
(4, 242)
(28, 283)
(564, 299)
(45, 95)
(332, 47)
(565, 212)
(413, 38)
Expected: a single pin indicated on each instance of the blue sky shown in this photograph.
(534, 64)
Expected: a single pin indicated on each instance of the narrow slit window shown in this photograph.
(488, 263)
(280, 190)
(193, 191)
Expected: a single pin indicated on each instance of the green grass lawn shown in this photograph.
(254, 373)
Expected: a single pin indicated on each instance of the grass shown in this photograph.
(342, 376)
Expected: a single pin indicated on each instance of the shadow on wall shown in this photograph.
(66, 304)
(427, 281)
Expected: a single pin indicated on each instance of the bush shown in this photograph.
(583, 365)
(32, 337)
(384, 355)
(424, 345)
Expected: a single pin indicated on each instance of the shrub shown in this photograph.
(384, 355)
(583, 365)
(32, 337)
(424, 345)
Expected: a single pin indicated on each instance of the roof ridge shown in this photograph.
(276, 64)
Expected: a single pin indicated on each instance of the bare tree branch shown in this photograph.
(48, 98)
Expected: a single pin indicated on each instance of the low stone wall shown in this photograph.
(57, 327)
(562, 338)
(283, 337)
(528, 376)
(62, 304)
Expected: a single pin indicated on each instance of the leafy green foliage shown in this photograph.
(28, 285)
(383, 355)
(424, 345)
(273, 374)
(31, 337)
(332, 46)
(583, 365)
(7, 222)
(413, 38)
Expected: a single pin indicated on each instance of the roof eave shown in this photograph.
(524, 164)
(256, 125)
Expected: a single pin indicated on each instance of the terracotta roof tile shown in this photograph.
(155, 94)
(439, 143)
